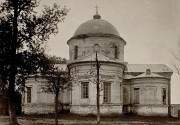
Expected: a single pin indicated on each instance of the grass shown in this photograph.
(114, 117)
(74, 119)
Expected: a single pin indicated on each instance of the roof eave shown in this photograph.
(95, 35)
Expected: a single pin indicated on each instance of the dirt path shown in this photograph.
(45, 121)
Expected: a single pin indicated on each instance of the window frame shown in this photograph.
(136, 97)
(75, 52)
(84, 90)
(107, 92)
(116, 52)
(29, 94)
(164, 96)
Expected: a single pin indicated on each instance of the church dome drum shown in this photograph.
(96, 31)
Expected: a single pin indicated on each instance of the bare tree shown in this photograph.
(98, 90)
(94, 72)
(58, 80)
(176, 59)
(175, 65)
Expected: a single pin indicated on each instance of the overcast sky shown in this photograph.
(151, 29)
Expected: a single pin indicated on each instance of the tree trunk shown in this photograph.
(3, 102)
(98, 99)
(169, 99)
(11, 88)
(12, 113)
(98, 106)
(56, 108)
(56, 99)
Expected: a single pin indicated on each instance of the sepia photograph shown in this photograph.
(89, 62)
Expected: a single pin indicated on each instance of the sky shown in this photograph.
(151, 29)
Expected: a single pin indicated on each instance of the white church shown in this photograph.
(142, 89)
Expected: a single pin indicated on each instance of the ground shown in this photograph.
(72, 119)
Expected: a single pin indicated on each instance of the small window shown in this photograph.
(28, 94)
(84, 90)
(75, 52)
(116, 52)
(136, 95)
(164, 95)
(107, 92)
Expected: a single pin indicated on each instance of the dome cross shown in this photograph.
(96, 9)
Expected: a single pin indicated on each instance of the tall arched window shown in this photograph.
(116, 52)
(75, 52)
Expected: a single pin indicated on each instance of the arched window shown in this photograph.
(116, 52)
(75, 52)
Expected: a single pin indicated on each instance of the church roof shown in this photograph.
(143, 67)
(96, 26)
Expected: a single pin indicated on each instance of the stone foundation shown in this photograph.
(150, 110)
(43, 108)
(175, 110)
(92, 109)
(38, 108)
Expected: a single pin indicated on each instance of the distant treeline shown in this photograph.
(57, 60)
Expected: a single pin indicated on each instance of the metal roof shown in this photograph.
(143, 67)
(96, 26)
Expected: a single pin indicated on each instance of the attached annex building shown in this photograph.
(142, 89)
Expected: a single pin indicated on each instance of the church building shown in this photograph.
(142, 89)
